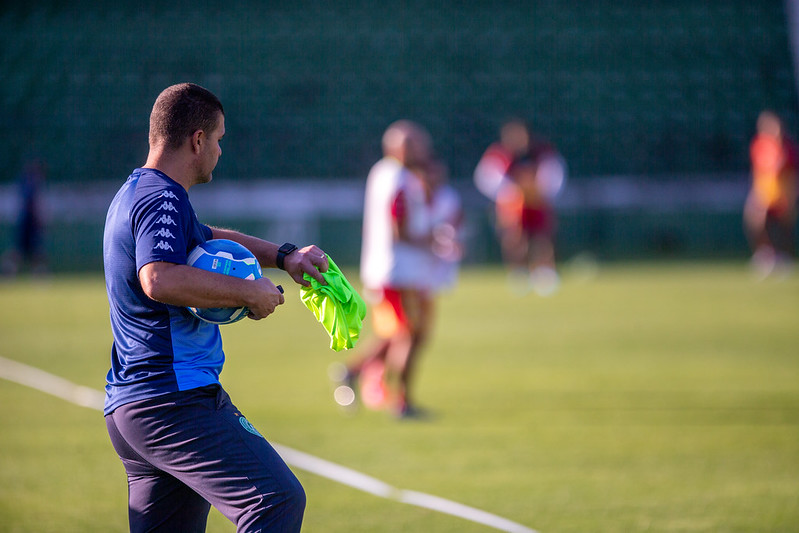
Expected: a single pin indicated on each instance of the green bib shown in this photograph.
(338, 307)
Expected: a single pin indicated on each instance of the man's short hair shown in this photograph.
(179, 111)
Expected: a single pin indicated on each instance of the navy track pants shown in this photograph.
(186, 451)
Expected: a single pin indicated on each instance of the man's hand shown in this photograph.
(310, 260)
(263, 299)
(185, 286)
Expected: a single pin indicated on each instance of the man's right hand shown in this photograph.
(264, 299)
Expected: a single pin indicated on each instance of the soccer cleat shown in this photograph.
(406, 411)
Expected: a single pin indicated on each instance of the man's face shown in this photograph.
(211, 151)
(515, 138)
(417, 148)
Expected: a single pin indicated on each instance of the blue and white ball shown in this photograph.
(224, 257)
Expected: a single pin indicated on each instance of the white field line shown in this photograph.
(44, 381)
(93, 399)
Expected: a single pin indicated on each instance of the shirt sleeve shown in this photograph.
(162, 222)
(489, 175)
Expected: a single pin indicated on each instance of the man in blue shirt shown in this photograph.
(183, 443)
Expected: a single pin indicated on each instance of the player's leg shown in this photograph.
(514, 249)
(199, 438)
(249, 482)
(509, 218)
(406, 346)
(755, 226)
(779, 228)
(384, 323)
(540, 229)
(157, 502)
(421, 327)
(361, 378)
(544, 278)
(397, 357)
(374, 352)
(372, 370)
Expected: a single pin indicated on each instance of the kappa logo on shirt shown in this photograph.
(167, 206)
(165, 233)
(163, 245)
(169, 194)
(166, 219)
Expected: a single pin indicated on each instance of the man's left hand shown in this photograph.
(310, 260)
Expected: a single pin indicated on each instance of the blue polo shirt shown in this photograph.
(158, 348)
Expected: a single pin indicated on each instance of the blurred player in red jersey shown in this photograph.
(395, 271)
(523, 174)
(491, 172)
(770, 210)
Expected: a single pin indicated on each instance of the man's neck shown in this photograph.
(170, 164)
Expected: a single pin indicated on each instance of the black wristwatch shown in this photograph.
(285, 249)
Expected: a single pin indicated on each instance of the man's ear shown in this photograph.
(197, 139)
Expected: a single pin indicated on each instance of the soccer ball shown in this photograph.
(224, 257)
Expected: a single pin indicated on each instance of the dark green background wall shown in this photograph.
(623, 87)
(650, 90)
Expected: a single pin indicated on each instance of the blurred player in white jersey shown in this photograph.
(395, 269)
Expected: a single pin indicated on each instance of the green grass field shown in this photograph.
(648, 398)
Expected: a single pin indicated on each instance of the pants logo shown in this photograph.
(249, 427)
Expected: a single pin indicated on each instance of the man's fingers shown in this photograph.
(310, 260)
(322, 263)
(301, 280)
(317, 275)
(318, 264)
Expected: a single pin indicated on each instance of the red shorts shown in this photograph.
(398, 309)
(537, 221)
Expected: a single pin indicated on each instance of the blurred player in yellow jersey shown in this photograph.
(770, 210)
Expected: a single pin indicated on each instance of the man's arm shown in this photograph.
(310, 260)
(186, 286)
(400, 220)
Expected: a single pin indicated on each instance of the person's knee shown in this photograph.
(281, 511)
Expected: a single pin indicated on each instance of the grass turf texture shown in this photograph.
(648, 398)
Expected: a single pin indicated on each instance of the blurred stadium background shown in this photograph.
(652, 104)
(658, 398)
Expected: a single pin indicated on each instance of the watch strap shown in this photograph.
(285, 249)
